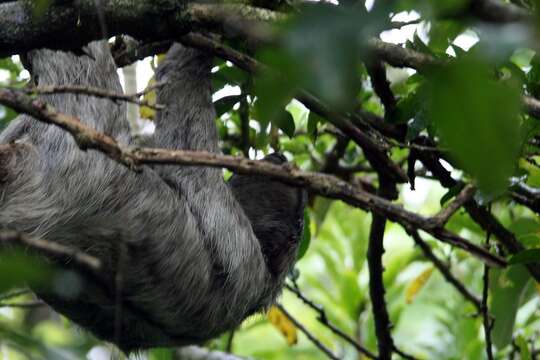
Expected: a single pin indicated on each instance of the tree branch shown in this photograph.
(487, 319)
(323, 319)
(479, 214)
(445, 214)
(372, 148)
(54, 250)
(399, 56)
(445, 271)
(325, 185)
(499, 12)
(96, 92)
(72, 25)
(308, 334)
(381, 318)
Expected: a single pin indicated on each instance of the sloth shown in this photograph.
(196, 255)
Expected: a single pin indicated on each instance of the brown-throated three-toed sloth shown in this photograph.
(199, 254)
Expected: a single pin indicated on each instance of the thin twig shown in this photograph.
(23, 305)
(52, 249)
(446, 213)
(488, 320)
(97, 92)
(445, 271)
(308, 334)
(323, 319)
(14, 293)
(403, 354)
(479, 214)
(230, 341)
(401, 24)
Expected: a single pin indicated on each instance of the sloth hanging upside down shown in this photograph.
(199, 254)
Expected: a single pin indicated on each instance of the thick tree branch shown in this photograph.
(74, 24)
(373, 148)
(383, 326)
(69, 26)
(499, 11)
(399, 56)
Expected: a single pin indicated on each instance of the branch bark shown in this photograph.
(325, 185)
(74, 24)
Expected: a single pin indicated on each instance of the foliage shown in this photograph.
(469, 109)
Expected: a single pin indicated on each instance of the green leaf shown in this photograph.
(19, 269)
(527, 231)
(226, 103)
(419, 45)
(321, 207)
(409, 106)
(508, 287)
(285, 122)
(459, 51)
(306, 236)
(453, 191)
(39, 7)
(10, 336)
(326, 43)
(448, 8)
(533, 77)
(9, 65)
(313, 121)
(418, 124)
(228, 75)
(442, 33)
(161, 354)
(273, 92)
(525, 257)
(483, 139)
(522, 57)
(6, 115)
(523, 347)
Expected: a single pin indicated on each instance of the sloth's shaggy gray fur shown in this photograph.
(200, 254)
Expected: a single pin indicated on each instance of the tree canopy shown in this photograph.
(414, 125)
